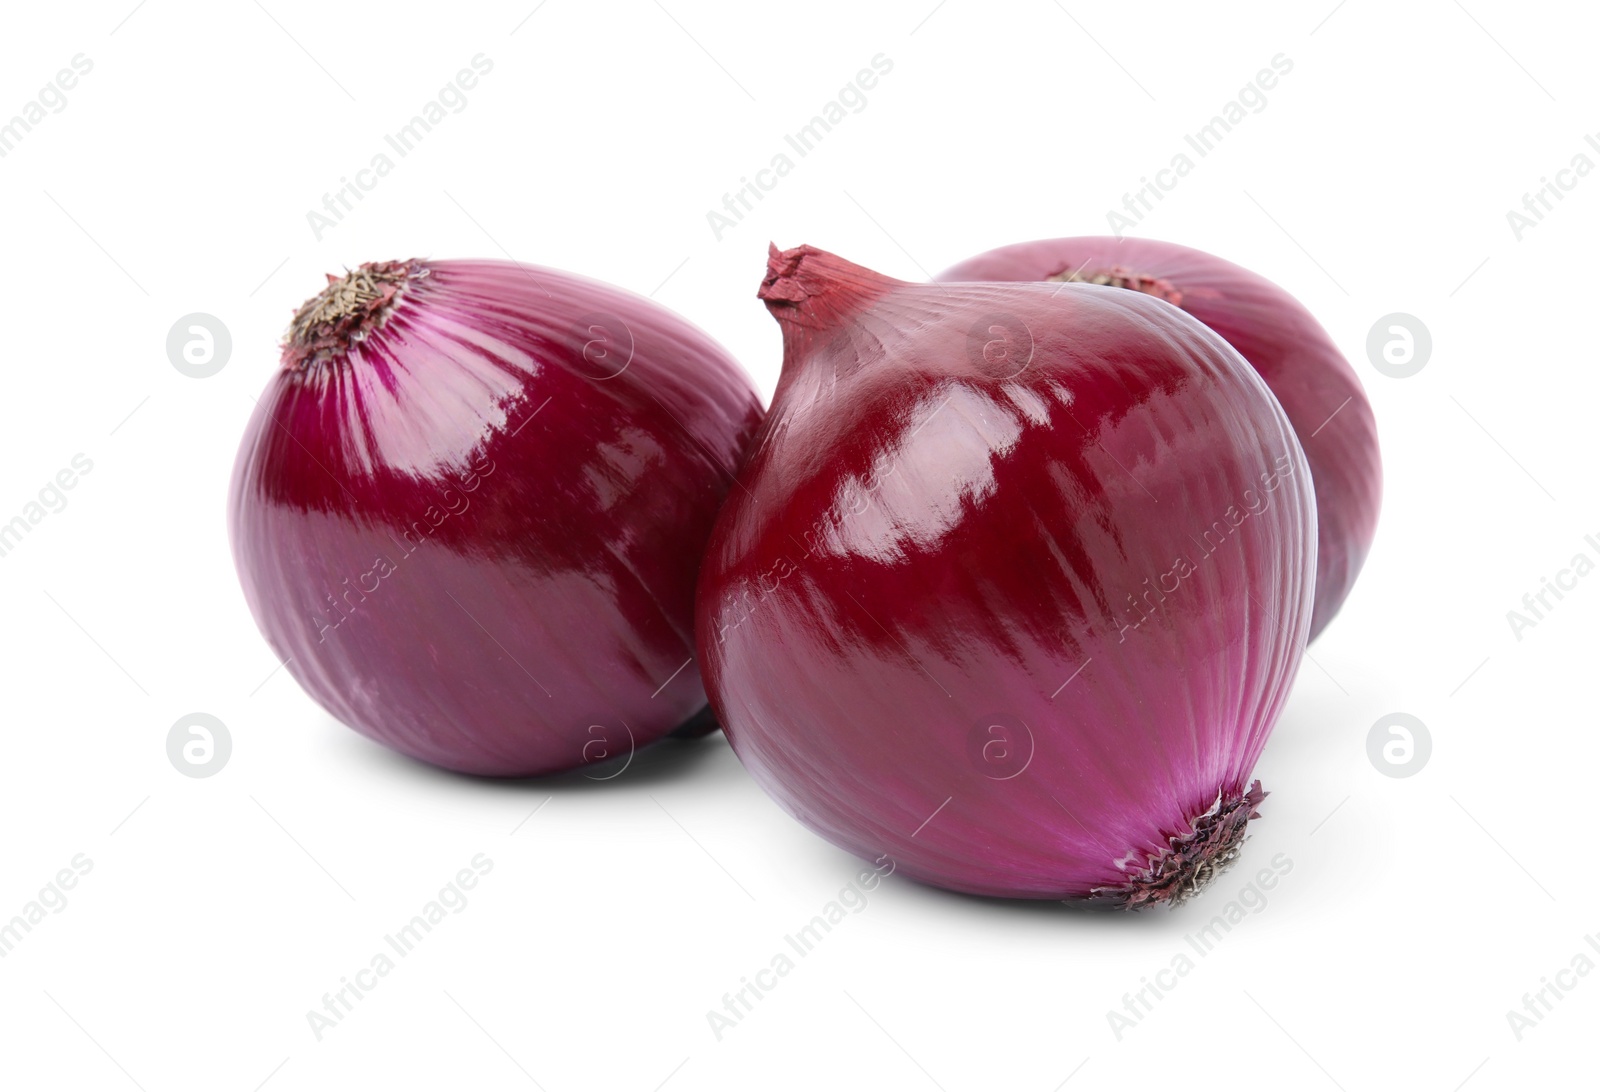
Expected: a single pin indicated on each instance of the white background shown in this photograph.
(218, 911)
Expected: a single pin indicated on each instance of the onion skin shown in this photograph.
(467, 537)
(927, 547)
(1317, 387)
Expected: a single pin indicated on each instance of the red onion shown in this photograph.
(1016, 585)
(1294, 354)
(469, 510)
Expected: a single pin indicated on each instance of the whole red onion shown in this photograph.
(1279, 337)
(1016, 585)
(470, 508)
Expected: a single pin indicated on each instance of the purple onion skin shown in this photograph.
(1283, 342)
(924, 552)
(467, 537)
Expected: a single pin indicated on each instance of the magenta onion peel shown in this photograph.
(1015, 586)
(470, 507)
(1284, 343)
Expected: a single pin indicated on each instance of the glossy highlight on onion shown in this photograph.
(1282, 341)
(1015, 585)
(470, 507)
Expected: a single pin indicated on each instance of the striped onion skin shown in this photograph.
(470, 508)
(943, 619)
(1318, 389)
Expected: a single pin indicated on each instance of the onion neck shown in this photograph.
(1191, 860)
(1118, 277)
(809, 290)
(347, 311)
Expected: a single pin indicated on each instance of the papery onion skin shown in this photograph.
(918, 615)
(469, 510)
(1283, 341)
